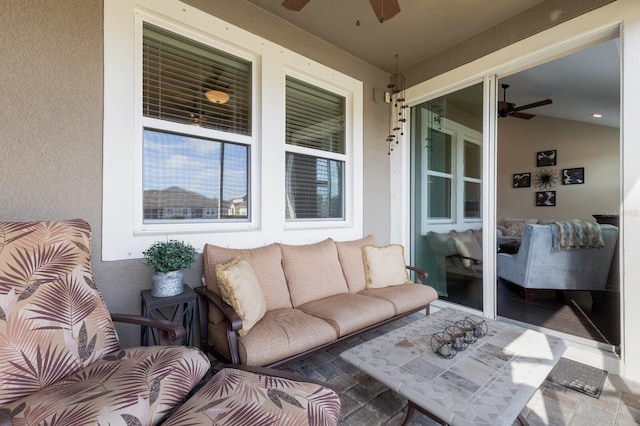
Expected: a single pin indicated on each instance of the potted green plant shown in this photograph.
(168, 259)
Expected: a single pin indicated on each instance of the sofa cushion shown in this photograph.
(349, 312)
(267, 264)
(240, 288)
(283, 333)
(313, 271)
(350, 255)
(405, 297)
(384, 266)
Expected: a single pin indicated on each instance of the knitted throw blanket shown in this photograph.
(576, 234)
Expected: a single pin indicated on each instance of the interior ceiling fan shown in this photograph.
(384, 9)
(508, 109)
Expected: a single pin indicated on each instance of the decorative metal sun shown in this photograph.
(546, 178)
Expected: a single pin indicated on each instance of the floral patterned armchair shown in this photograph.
(60, 360)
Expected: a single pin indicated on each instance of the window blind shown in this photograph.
(177, 73)
(315, 117)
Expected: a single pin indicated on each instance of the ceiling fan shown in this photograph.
(508, 109)
(384, 9)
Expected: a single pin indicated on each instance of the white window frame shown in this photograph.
(459, 134)
(160, 125)
(124, 236)
(349, 169)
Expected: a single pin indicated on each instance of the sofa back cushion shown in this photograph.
(313, 271)
(350, 255)
(267, 264)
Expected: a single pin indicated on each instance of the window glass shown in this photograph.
(189, 178)
(315, 128)
(439, 190)
(472, 160)
(315, 117)
(472, 200)
(188, 82)
(439, 151)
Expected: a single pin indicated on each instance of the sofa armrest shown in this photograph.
(234, 322)
(421, 274)
(168, 330)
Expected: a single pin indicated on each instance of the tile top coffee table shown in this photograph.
(489, 383)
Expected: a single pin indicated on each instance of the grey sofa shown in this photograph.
(537, 266)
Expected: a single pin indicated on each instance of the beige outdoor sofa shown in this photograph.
(315, 295)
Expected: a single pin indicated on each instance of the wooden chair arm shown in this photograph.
(234, 322)
(168, 331)
(421, 274)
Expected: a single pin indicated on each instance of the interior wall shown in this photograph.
(596, 148)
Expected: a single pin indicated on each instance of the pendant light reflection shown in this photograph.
(217, 97)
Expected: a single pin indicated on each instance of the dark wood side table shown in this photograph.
(171, 308)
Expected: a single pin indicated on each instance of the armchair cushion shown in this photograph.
(131, 386)
(239, 288)
(385, 266)
(260, 397)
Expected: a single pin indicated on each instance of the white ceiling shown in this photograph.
(580, 84)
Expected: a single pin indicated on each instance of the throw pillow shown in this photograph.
(384, 266)
(515, 227)
(239, 287)
(467, 246)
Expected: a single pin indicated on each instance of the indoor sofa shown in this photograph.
(538, 265)
(308, 297)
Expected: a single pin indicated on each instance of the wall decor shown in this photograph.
(573, 176)
(546, 178)
(546, 158)
(522, 180)
(546, 199)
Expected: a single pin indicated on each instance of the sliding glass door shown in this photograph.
(446, 194)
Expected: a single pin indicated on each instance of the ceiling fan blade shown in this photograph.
(385, 9)
(533, 105)
(522, 115)
(295, 5)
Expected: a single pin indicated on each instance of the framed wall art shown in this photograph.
(573, 176)
(546, 158)
(522, 180)
(545, 199)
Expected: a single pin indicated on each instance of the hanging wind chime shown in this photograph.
(396, 99)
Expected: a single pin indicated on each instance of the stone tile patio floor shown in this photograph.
(367, 402)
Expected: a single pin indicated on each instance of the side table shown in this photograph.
(170, 308)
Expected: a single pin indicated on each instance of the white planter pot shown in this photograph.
(167, 284)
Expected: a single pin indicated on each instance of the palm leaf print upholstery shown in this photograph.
(238, 397)
(60, 359)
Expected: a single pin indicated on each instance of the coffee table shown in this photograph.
(490, 382)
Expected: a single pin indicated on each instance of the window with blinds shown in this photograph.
(315, 158)
(192, 96)
(178, 74)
